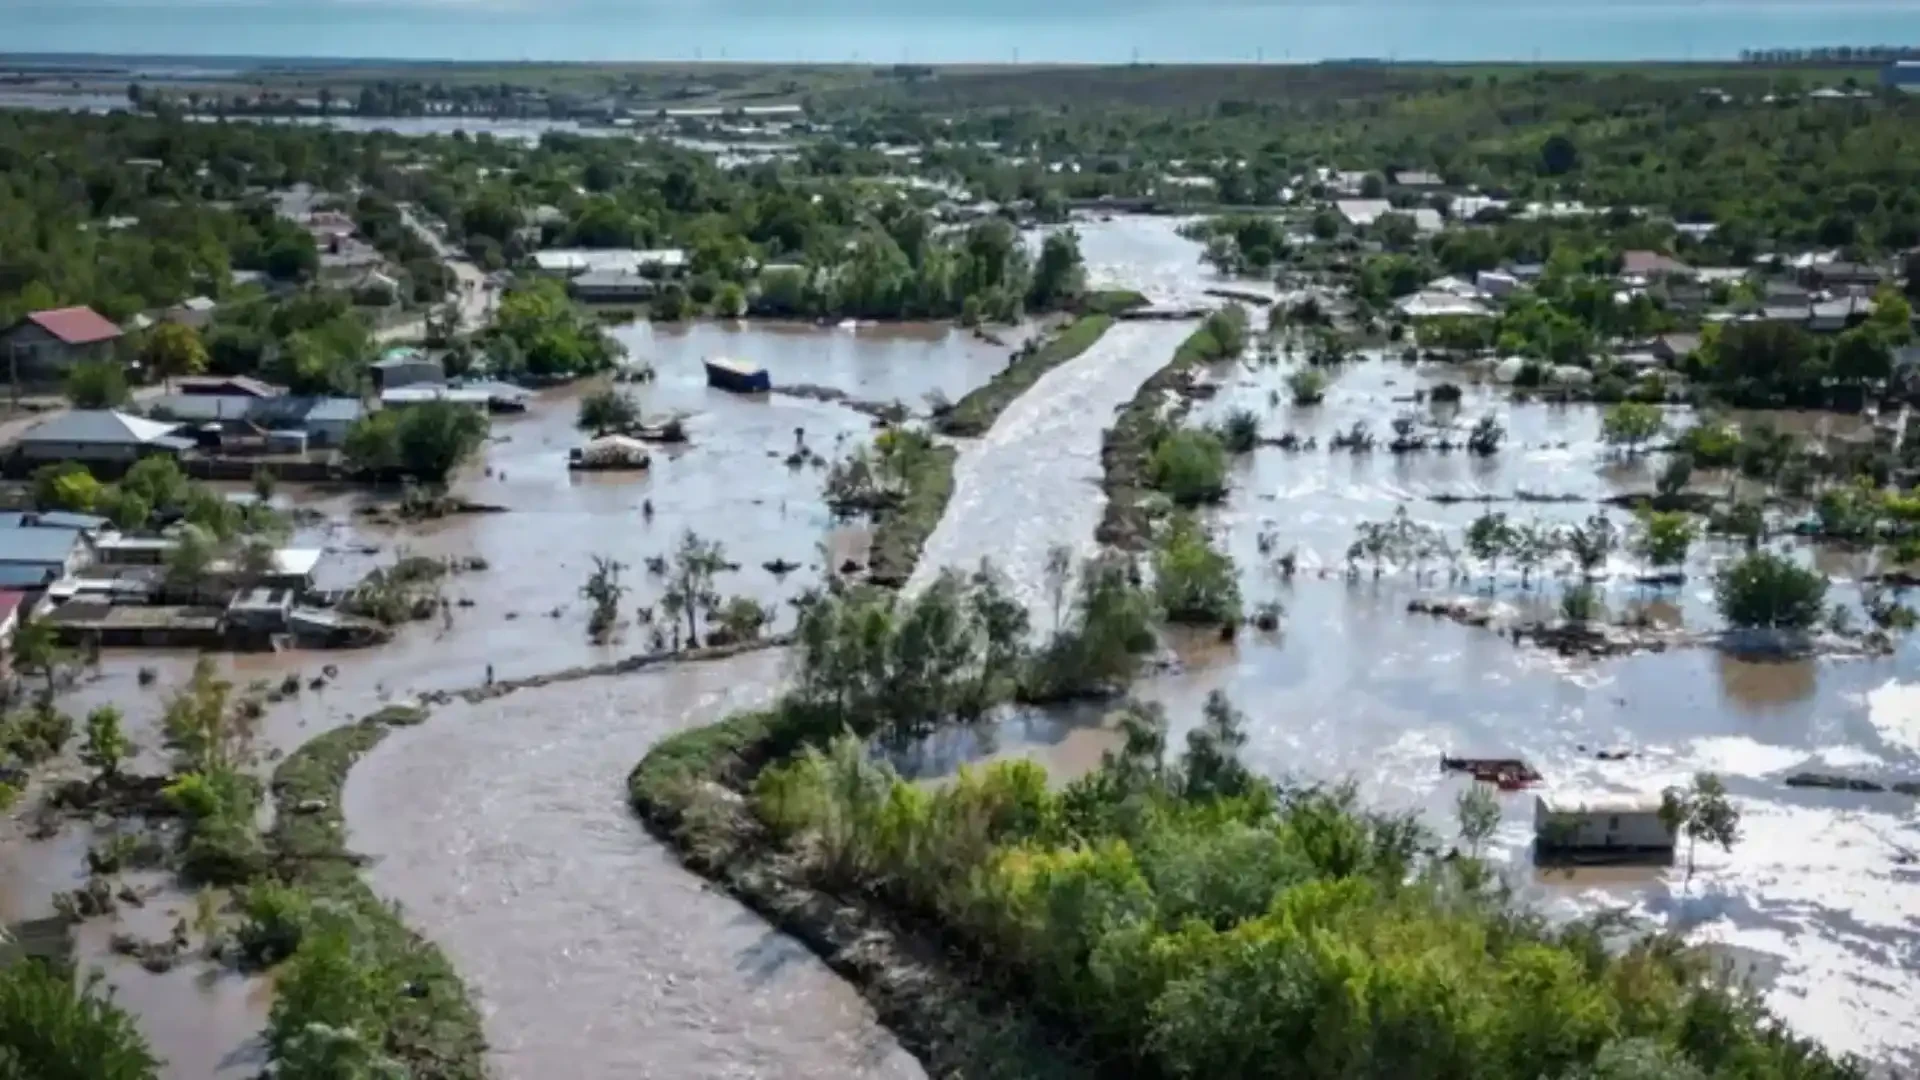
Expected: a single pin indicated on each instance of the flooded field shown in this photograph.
(503, 827)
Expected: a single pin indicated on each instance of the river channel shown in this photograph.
(503, 830)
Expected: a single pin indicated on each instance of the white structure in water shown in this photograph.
(1577, 821)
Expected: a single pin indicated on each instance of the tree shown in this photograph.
(1629, 424)
(1768, 591)
(107, 744)
(604, 589)
(1478, 813)
(97, 384)
(1059, 278)
(1211, 767)
(696, 562)
(1308, 386)
(1665, 537)
(190, 559)
(730, 300)
(1488, 538)
(1701, 811)
(1558, 155)
(174, 349)
(1190, 466)
(1194, 581)
(1861, 355)
(608, 410)
(426, 441)
(206, 736)
(36, 649)
(1591, 543)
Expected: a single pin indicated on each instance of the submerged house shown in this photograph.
(1623, 824)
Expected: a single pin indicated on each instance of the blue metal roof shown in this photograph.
(25, 577)
(41, 547)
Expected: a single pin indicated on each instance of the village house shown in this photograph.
(239, 422)
(610, 287)
(572, 262)
(1600, 822)
(226, 385)
(194, 311)
(1670, 349)
(1363, 212)
(33, 558)
(1648, 265)
(1860, 279)
(99, 437)
(399, 367)
(42, 347)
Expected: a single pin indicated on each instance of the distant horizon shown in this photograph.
(885, 32)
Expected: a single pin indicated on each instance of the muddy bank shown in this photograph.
(502, 826)
(901, 534)
(1127, 445)
(974, 414)
(689, 791)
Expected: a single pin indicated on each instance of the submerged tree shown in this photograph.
(1701, 811)
(690, 592)
(603, 588)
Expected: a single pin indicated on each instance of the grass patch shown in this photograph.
(433, 1028)
(1112, 301)
(1126, 450)
(976, 412)
(903, 531)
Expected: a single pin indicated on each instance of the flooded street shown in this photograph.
(503, 827)
(504, 830)
(1033, 481)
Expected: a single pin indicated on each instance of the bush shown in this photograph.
(277, 918)
(1308, 386)
(51, 1029)
(1768, 591)
(1195, 583)
(425, 442)
(1190, 467)
(97, 384)
(1241, 431)
(608, 410)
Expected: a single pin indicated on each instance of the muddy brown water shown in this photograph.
(503, 829)
(502, 826)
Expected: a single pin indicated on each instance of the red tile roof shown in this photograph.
(10, 601)
(75, 325)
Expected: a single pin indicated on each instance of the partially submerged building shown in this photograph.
(1576, 822)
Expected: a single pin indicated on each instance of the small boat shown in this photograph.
(739, 376)
(1509, 774)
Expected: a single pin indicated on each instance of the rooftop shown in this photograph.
(75, 325)
(37, 547)
(98, 426)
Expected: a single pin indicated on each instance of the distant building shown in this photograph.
(1902, 75)
(571, 262)
(100, 437)
(1363, 212)
(477, 399)
(44, 346)
(406, 367)
(227, 386)
(194, 311)
(228, 420)
(1652, 264)
(610, 287)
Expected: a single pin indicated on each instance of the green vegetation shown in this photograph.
(422, 442)
(1130, 452)
(1194, 581)
(1767, 591)
(1630, 424)
(903, 485)
(975, 413)
(608, 410)
(1701, 811)
(541, 334)
(53, 1029)
(1185, 918)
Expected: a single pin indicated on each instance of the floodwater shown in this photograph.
(503, 828)
(1033, 481)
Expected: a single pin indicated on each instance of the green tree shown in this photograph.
(1059, 278)
(1664, 538)
(172, 350)
(107, 744)
(1308, 386)
(35, 649)
(1190, 467)
(426, 441)
(1489, 537)
(690, 577)
(1768, 591)
(97, 384)
(1194, 581)
(1478, 812)
(1701, 811)
(608, 410)
(1630, 424)
(603, 588)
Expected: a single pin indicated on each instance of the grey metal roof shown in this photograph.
(48, 547)
(98, 426)
(200, 408)
(25, 575)
(334, 409)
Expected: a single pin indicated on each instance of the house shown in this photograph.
(1652, 264)
(1833, 316)
(404, 396)
(1427, 219)
(1846, 277)
(90, 524)
(99, 436)
(1418, 178)
(610, 287)
(1494, 283)
(194, 311)
(1363, 212)
(1435, 305)
(223, 418)
(1672, 348)
(1470, 207)
(226, 386)
(571, 262)
(44, 345)
(38, 557)
(1618, 823)
(400, 367)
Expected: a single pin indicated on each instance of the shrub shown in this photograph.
(1241, 431)
(1190, 467)
(1194, 582)
(52, 1029)
(1768, 591)
(277, 917)
(1309, 386)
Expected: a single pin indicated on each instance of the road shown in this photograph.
(472, 292)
